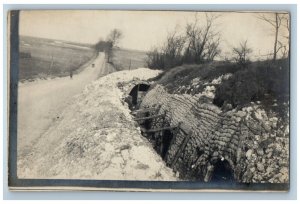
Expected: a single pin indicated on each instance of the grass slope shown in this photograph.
(42, 58)
(124, 59)
(265, 82)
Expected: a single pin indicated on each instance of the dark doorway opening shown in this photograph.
(222, 172)
(137, 93)
(167, 137)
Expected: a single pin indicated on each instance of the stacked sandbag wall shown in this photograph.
(247, 144)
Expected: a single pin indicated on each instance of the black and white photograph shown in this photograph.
(150, 97)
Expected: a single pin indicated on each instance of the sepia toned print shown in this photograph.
(154, 96)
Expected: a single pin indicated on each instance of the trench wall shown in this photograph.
(256, 151)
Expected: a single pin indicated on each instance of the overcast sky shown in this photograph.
(143, 29)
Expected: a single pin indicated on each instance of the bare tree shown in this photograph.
(155, 58)
(112, 40)
(199, 44)
(241, 53)
(277, 20)
(169, 55)
(173, 49)
(212, 49)
(115, 36)
(286, 35)
(106, 47)
(202, 40)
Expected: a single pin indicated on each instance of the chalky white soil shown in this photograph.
(95, 137)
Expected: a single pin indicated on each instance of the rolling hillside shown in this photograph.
(44, 58)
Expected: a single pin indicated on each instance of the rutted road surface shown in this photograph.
(89, 135)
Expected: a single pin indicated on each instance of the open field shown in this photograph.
(43, 58)
(124, 59)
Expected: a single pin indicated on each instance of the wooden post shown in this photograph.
(161, 143)
(143, 110)
(129, 64)
(209, 172)
(158, 129)
(181, 148)
(51, 64)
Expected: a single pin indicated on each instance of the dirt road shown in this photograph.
(40, 103)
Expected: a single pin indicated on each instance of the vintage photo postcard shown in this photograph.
(149, 100)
